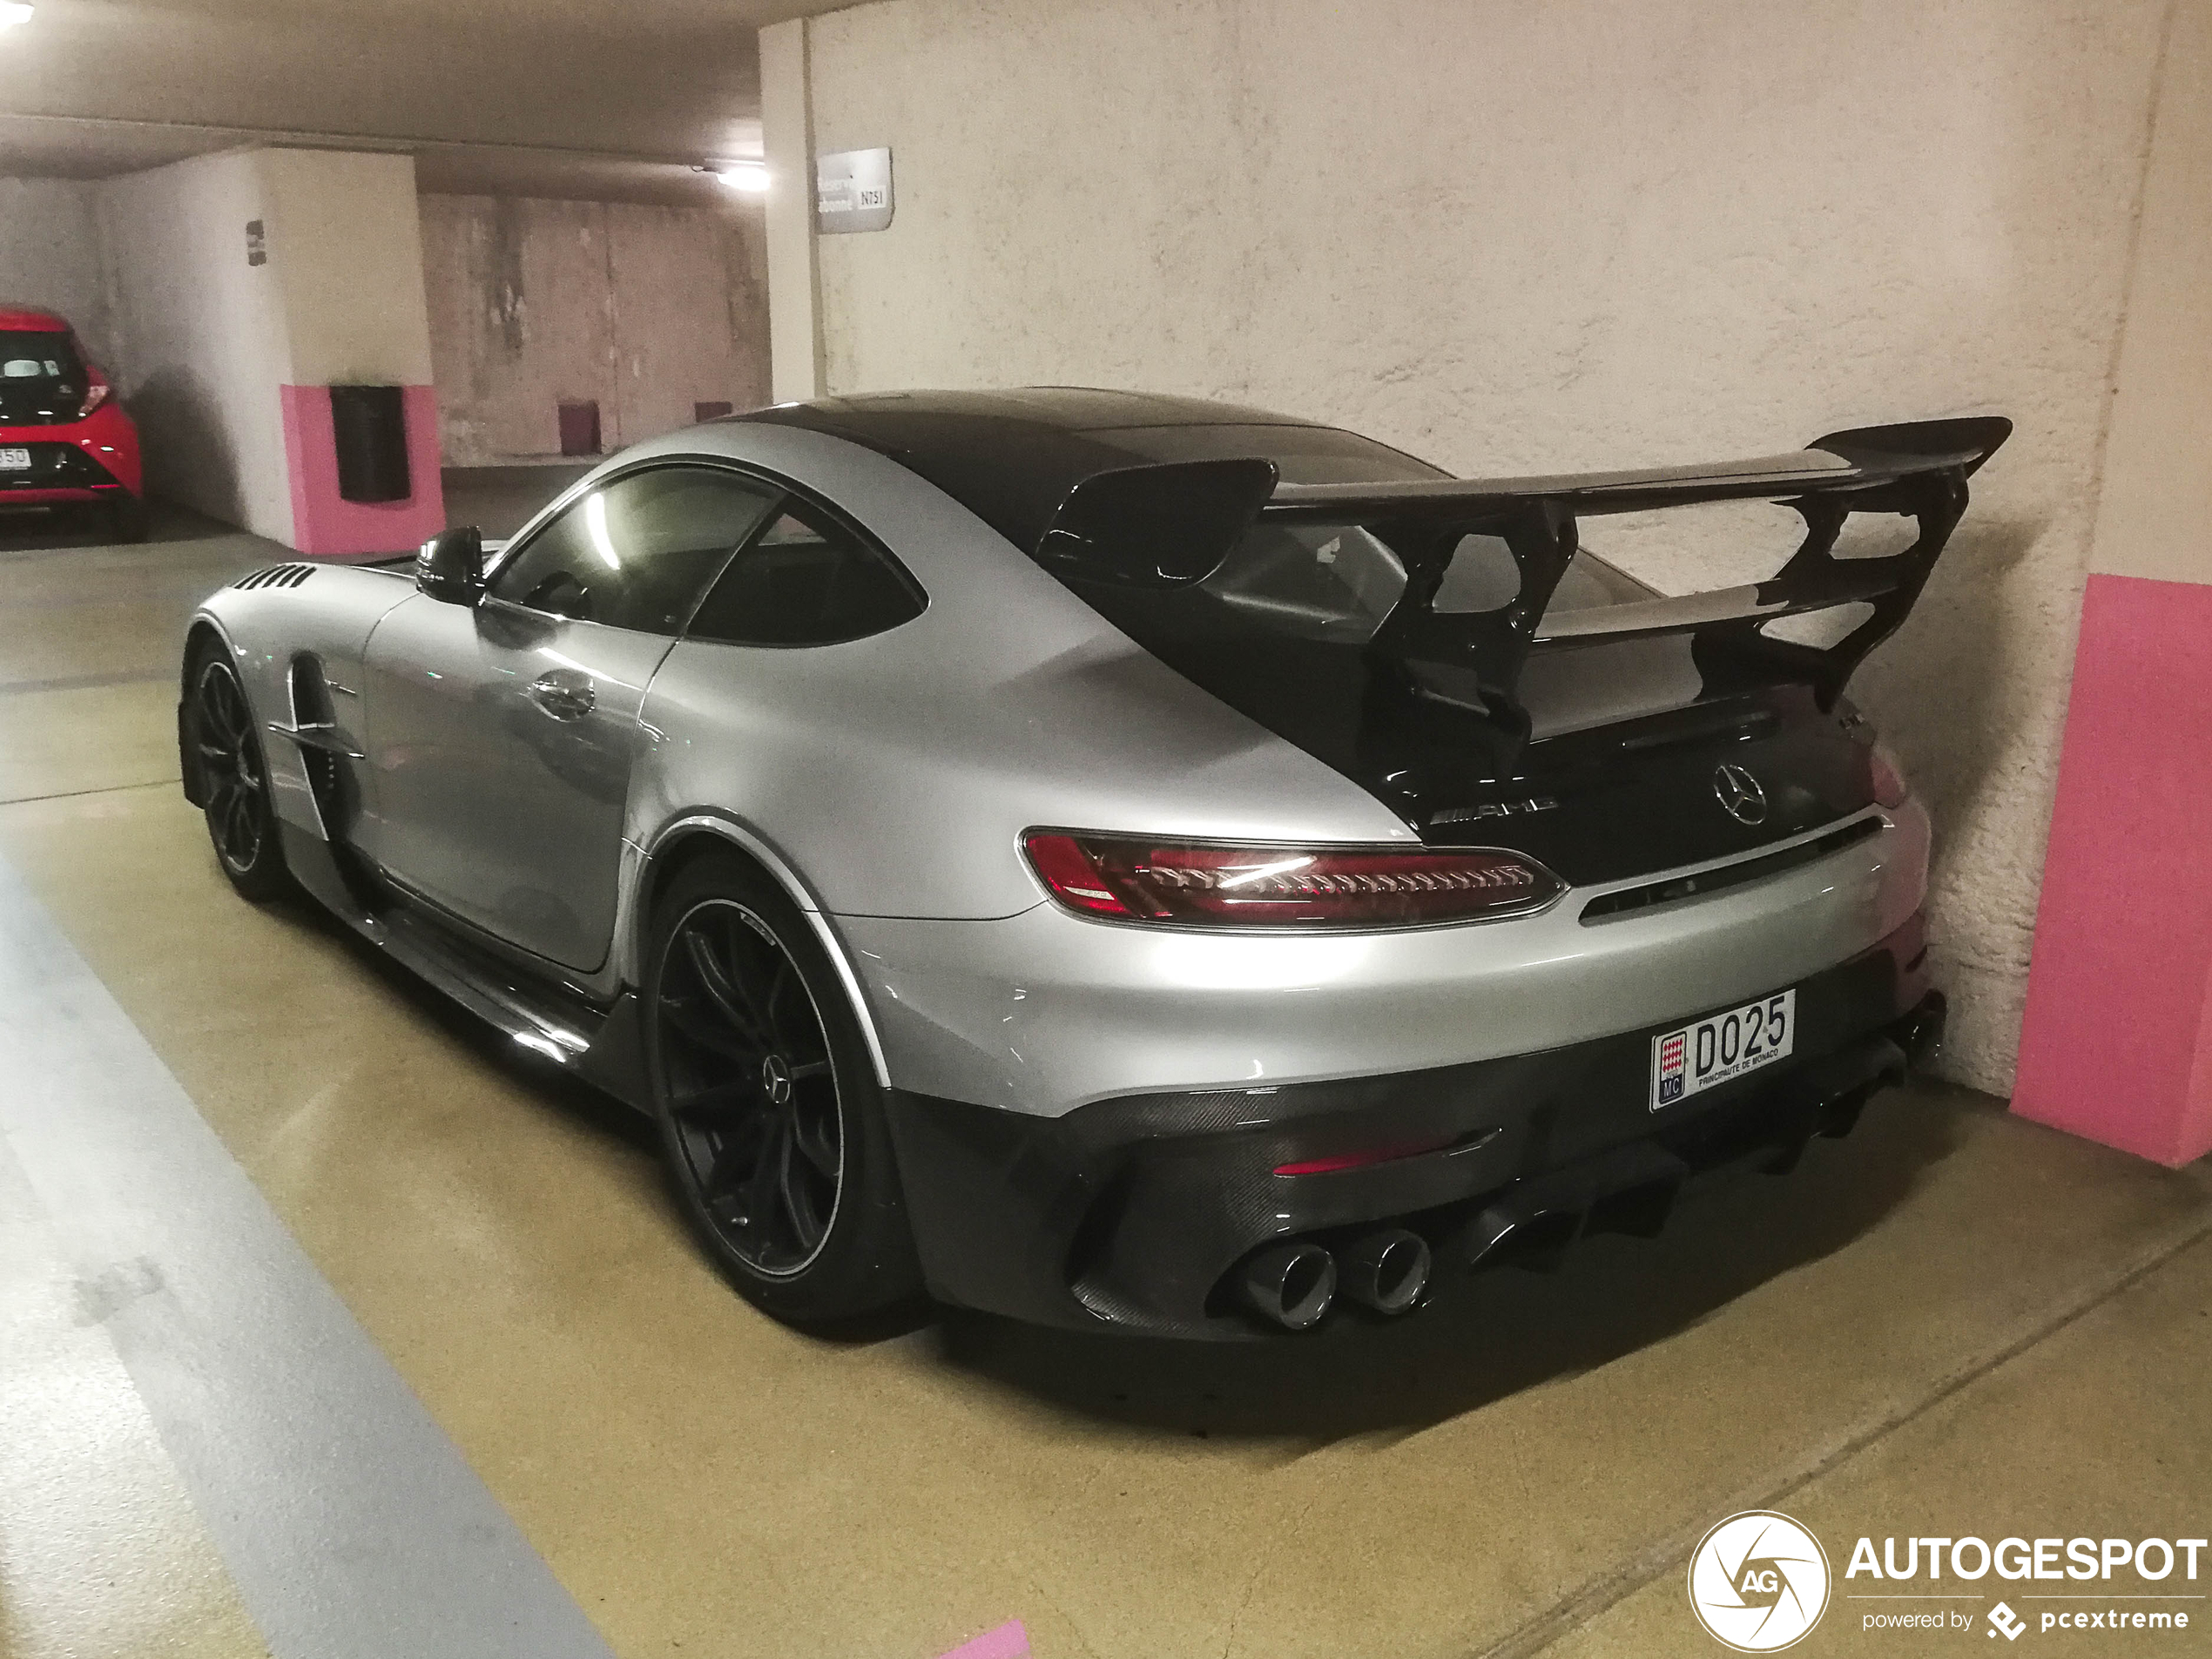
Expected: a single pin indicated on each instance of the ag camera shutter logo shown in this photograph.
(1758, 1582)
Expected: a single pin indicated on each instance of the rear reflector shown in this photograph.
(1888, 782)
(1361, 1160)
(1125, 878)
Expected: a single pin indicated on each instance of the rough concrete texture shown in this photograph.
(49, 254)
(645, 311)
(1529, 238)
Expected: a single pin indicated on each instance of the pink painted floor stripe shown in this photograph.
(1010, 1640)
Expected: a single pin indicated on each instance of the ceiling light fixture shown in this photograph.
(750, 178)
(13, 12)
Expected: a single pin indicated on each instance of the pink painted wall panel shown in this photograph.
(324, 524)
(2117, 1043)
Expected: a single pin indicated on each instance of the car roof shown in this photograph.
(1011, 457)
(31, 319)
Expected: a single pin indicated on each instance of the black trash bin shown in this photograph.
(369, 425)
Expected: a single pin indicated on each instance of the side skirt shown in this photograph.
(605, 1047)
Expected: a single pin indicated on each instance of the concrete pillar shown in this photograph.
(2117, 1043)
(794, 277)
(243, 286)
(345, 247)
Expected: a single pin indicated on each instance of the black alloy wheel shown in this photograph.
(751, 1087)
(241, 821)
(771, 1119)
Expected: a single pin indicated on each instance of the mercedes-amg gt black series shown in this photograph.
(1119, 860)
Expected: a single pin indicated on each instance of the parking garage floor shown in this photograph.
(329, 1324)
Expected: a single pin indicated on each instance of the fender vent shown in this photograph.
(276, 576)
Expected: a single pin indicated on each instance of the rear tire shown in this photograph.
(770, 1118)
(234, 776)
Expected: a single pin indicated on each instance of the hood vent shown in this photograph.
(276, 576)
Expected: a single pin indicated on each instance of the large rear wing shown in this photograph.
(1173, 524)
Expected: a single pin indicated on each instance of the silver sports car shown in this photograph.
(1115, 860)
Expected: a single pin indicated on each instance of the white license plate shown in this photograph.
(1721, 1046)
(14, 461)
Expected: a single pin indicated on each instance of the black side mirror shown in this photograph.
(450, 565)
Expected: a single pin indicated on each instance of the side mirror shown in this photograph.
(450, 565)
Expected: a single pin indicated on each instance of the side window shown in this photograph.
(804, 580)
(636, 553)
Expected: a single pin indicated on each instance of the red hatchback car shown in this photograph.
(64, 439)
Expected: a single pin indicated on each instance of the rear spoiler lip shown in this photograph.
(1861, 459)
(1757, 602)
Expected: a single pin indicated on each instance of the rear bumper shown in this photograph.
(95, 459)
(1130, 1213)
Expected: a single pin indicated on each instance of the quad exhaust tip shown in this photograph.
(1292, 1284)
(1386, 1270)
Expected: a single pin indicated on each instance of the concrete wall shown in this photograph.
(200, 337)
(2118, 1039)
(1536, 237)
(50, 255)
(225, 364)
(646, 310)
(346, 251)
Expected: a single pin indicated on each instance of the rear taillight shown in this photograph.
(96, 391)
(1125, 878)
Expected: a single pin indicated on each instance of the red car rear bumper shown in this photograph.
(94, 459)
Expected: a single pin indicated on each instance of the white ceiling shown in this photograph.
(577, 97)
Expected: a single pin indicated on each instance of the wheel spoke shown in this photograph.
(759, 1189)
(744, 970)
(749, 1093)
(736, 1159)
(217, 706)
(679, 1012)
(793, 1188)
(714, 1102)
(721, 989)
(239, 838)
(816, 1142)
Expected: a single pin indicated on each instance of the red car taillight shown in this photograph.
(1123, 879)
(96, 391)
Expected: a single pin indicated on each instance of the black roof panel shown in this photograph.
(1011, 457)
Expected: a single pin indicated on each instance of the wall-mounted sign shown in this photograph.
(257, 243)
(853, 191)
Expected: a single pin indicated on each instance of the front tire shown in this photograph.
(771, 1119)
(234, 776)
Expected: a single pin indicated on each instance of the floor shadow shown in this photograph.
(561, 1090)
(31, 533)
(1482, 1338)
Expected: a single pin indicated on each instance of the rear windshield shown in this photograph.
(1336, 581)
(41, 376)
(1302, 455)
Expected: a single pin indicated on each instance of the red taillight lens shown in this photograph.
(1887, 782)
(96, 391)
(1128, 880)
